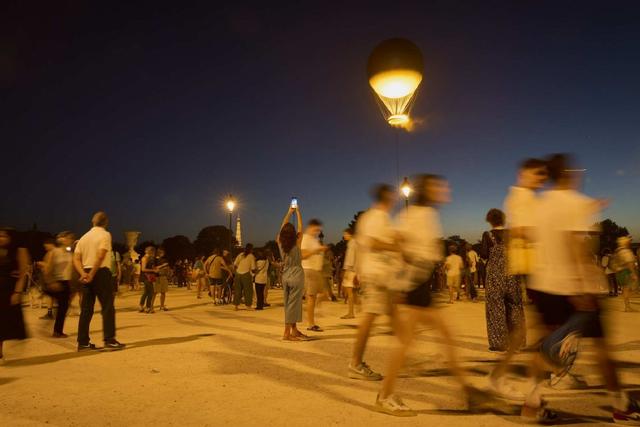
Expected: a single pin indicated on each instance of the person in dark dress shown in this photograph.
(14, 261)
(504, 309)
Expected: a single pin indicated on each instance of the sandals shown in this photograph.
(542, 415)
(302, 337)
(315, 328)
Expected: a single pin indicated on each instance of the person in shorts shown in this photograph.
(376, 248)
(421, 235)
(312, 261)
(453, 266)
(214, 266)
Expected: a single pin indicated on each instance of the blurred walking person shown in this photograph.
(91, 260)
(149, 275)
(520, 208)
(312, 261)
(245, 265)
(349, 278)
(14, 263)
(376, 251)
(421, 235)
(289, 241)
(57, 271)
(565, 288)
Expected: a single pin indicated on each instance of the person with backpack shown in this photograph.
(245, 265)
(214, 267)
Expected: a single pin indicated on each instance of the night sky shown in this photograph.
(154, 113)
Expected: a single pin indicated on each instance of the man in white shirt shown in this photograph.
(312, 260)
(92, 261)
(564, 287)
(377, 250)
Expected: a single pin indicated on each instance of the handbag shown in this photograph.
(520, 257)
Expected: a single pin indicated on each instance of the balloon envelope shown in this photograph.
(395, 69)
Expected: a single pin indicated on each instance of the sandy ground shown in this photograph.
(198, 364)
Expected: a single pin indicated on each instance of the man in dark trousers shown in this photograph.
(92, 260)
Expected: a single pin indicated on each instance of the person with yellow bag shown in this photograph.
(520, 207)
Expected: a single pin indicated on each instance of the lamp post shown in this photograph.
(231, 205)
(406, 190)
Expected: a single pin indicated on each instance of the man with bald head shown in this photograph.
(92, 259)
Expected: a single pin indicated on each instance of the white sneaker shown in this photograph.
(502, 389)
(363, 372)
(393, 405)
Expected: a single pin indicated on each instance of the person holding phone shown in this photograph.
(289, 241)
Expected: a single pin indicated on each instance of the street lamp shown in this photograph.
(406, 190)
(231, 205)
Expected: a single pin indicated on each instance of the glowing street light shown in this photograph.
(231, 205)
(395, 71)
(406, 190)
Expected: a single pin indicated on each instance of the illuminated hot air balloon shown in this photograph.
(395, 70)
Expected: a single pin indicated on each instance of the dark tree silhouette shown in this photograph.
(610, 233)
(272, 246)
(209, 238)
(178, 248)
(121, 248)
(354, 221)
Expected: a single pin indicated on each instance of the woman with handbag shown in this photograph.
(420, 235)
(149, 274)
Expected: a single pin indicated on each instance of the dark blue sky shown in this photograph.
(154, 113)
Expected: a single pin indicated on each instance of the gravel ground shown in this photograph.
(200, 364)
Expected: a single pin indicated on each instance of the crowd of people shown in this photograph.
(538, 249)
